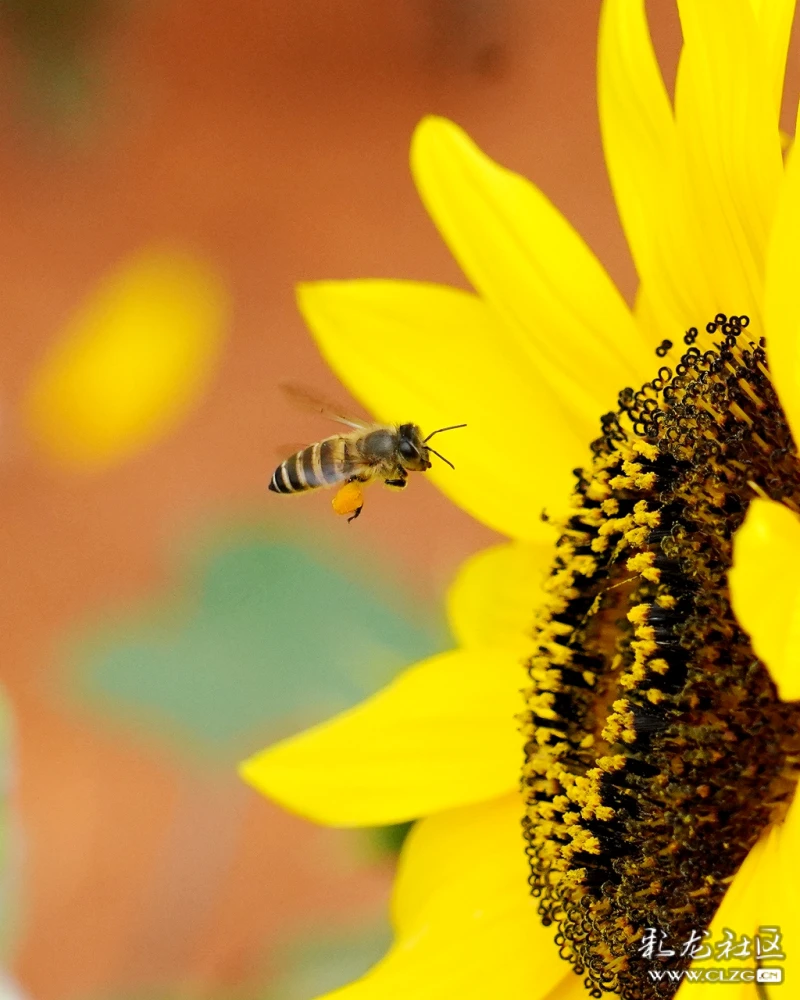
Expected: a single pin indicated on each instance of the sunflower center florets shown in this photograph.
(656, 747)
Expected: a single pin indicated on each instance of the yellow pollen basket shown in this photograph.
(348, 499)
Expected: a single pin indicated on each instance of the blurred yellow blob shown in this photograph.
(131, 363)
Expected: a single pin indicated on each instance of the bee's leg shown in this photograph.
(399, 482)
(357, 511)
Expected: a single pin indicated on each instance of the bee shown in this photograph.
(367, 453)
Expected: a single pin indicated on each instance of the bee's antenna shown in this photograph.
(436, 453)
(455, 427)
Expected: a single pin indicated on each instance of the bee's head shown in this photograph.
(411, 449)
(414, 450)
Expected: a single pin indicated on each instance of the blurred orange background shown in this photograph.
(268, 139)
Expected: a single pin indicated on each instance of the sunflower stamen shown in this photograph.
(672, 761)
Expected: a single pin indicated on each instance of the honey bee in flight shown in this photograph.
(367, 453)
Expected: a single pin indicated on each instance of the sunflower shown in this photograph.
(612, 750)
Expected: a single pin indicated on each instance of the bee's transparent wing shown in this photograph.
(307, 399)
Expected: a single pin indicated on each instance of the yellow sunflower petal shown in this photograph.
(443, 734)
(467, 926)
(572, 987)
(779, 903)
(438, 356)
(132, 362)
(774, 19)
(696, 197)
(640, 149)
(761, 896)
(765, 590)
(531, 266)
(731, 154)
(437, 862)
(493, 598)
(782, 295)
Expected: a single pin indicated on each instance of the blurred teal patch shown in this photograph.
(265, 637)
(56, 39)
(386, 841)
(320, 964)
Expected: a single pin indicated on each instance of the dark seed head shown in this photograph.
(670, 751)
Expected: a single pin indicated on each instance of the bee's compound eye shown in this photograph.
(407, 450)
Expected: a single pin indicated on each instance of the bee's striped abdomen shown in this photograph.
(320, 464)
